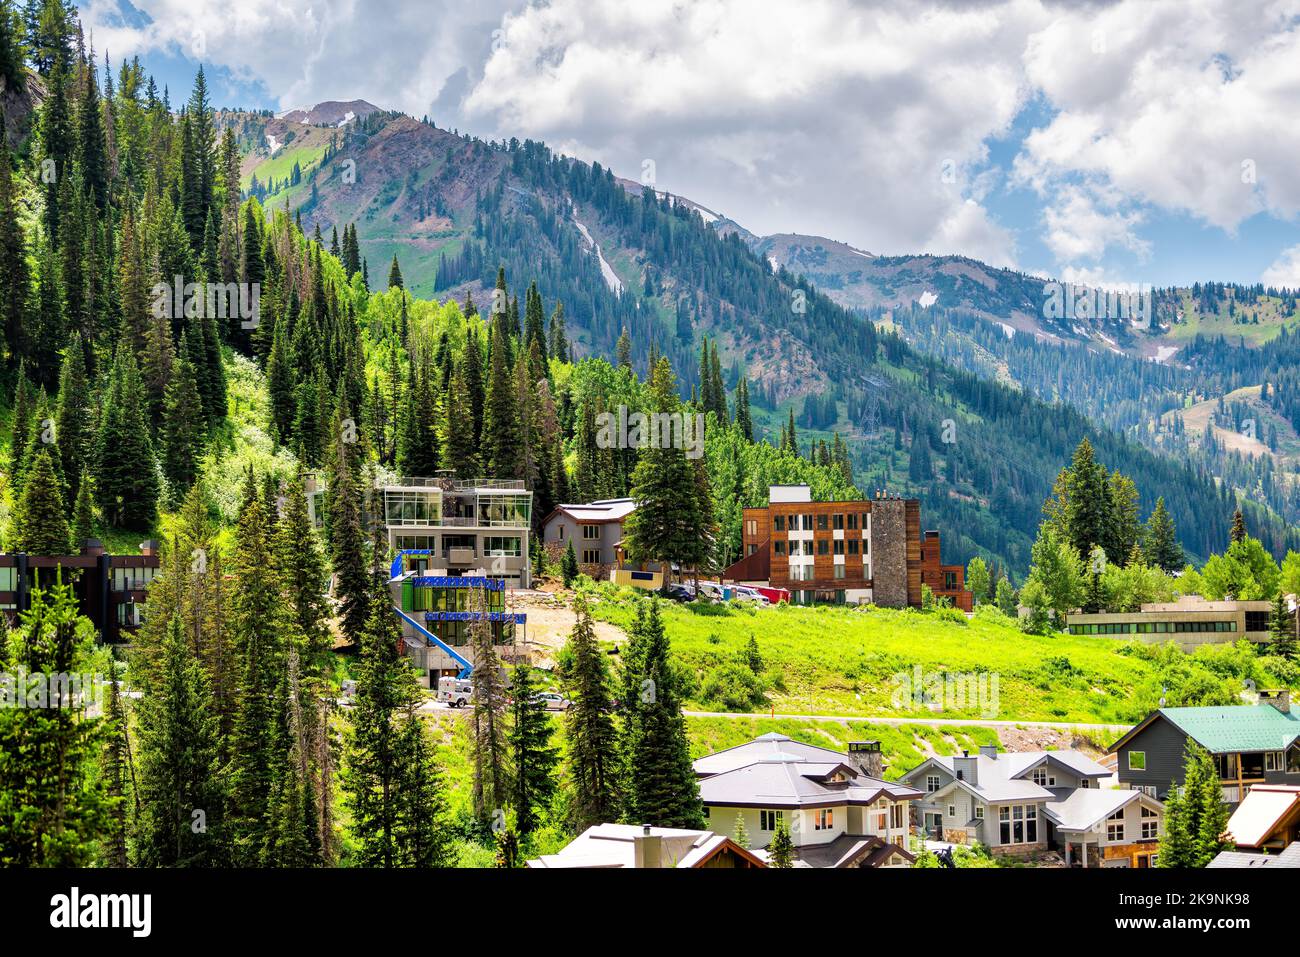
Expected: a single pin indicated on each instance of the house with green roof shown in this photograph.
(1250, 744)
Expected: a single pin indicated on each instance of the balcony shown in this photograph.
(458, 485)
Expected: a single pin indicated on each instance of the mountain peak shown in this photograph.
(330, 113)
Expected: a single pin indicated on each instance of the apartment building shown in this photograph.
(110, 589)
(437, 612)
(471, 526)
(858, 552)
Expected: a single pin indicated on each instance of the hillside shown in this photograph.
(451, 209)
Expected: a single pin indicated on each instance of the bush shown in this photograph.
(731, 686)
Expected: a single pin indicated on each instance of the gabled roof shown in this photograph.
(1087, 808)
(778, 772)
(1006, 777)
(605, 510)
(1261, 811)
(851, 850)
(614, 846)
(1288, 858)
(1227, 728)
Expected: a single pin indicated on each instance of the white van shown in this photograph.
(455, 692)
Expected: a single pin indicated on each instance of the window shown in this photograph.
(590, 531)
(412, 508)
(1257, 621)
(1273, 761)
(821, 523)
(767, 819)
(1043, 779)
(853, 546)
(839, 546)
(853, 521)
(751, 527)
(1018, 824)
(950, 580)
(823, 547)
(1293, 760)
(896, 815)
(979, 812)
(808, 522)
(838, 523)
(9, 579)
(507, 546)
(952, 810)
(778, 523)
(824, 820)
(1085, 783)
(1137, 760)
(931, 783)
(1115, 827)
(778, 547)
(839, 569)
(591, 556)
(1150, 824)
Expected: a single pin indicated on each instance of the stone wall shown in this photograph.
(889, 552)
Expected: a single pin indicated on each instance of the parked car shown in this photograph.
(711, 591)
(553, 701)
(682, 593)
(455, 692)
(746, 593)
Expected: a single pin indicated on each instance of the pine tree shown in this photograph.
(55, 811)
(1282, 629)
(534, 755)
(182, 802)
(72, 419)
(347, 543)
(1238, 526)
(15, 289)
(740, 834)
(780, 853)
(118, 774)
(1160, 547)
(592, 756)
(125, 473)
(489, 745)
(301, 565)
(395, 275)
(569, 565)
(40, 521)
(663, 788)
(183, 428)
(502, 443)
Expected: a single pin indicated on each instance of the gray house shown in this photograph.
(596, 530)
(999, 800)
(1251, 744)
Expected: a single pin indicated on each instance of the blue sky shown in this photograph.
(1111, 141)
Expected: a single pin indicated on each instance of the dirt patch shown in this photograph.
(1045, 739)
(551, 620)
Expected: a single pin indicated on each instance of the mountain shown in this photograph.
(981, 453)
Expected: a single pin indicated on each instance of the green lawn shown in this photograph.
(860, 662)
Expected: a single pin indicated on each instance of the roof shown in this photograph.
(605, 510)
(851, 850)
(614, 846)
(776, 771)
(1264, 807)
(1006, 777)
(1226, 728)
(1086, 808)
(1288, 858)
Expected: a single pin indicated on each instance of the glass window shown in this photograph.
(778, 547)
(1137, 760)
(821, 523)
(590, 531)
(778, 523)
(838, 523)
(508, 546)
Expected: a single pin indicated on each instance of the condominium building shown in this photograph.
(110, 589)
(437, 612)
(870, 551)
(466, 526)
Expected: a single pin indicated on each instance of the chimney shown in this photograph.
(966, 769)
(648, 848)
(149, 547)
(92, 547)
(866, 757)
(1279, 698)
(989, 751)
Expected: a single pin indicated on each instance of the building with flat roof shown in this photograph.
(472, 526)
(111, 589)
(871, 551)
(1189, 622)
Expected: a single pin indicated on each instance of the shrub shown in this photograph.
(731, 686)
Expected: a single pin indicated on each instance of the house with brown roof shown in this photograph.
(839, 810)
(1267, 819)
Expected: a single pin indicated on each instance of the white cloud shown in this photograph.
(825, 116)
(1285, 270)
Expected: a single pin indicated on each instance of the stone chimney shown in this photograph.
(966, 768)
(649, 848)
(1279, 698)
(989, 751)
(866, 757)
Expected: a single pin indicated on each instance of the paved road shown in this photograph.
(978, 722)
